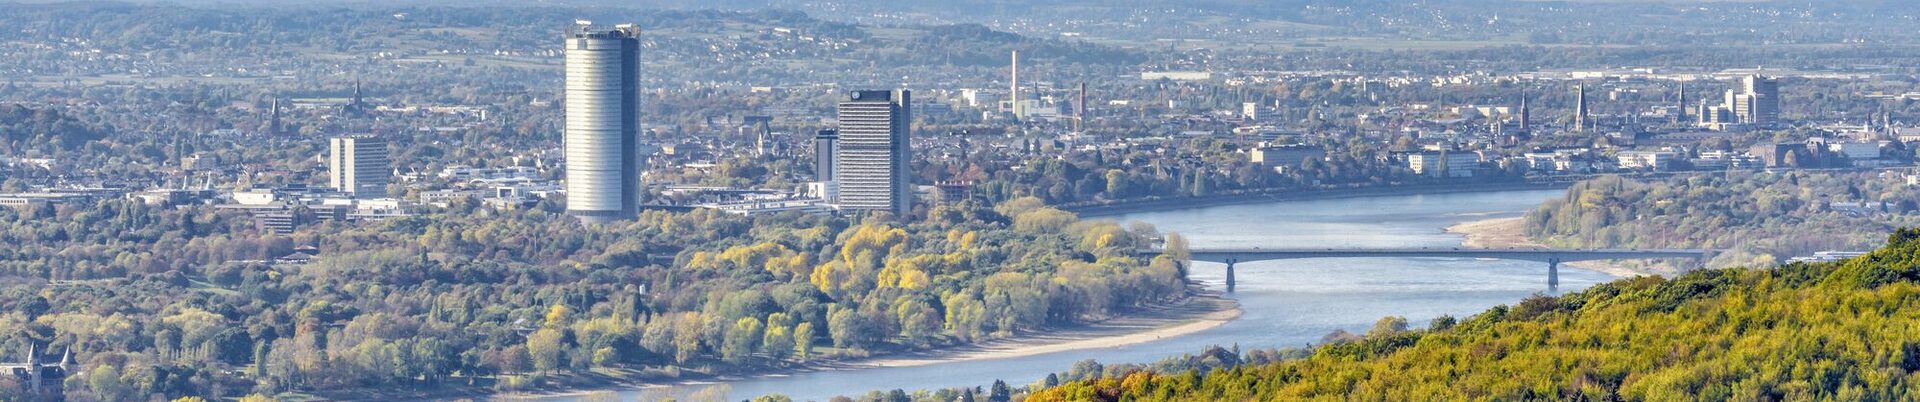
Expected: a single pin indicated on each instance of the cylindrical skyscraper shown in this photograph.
(602, 130)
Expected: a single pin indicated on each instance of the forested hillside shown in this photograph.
(1760, 218)
(1833, 331)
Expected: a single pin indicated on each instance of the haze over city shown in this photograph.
(959, 201)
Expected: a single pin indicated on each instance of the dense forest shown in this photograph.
(1760, 218)
(1827, 331)
(173, 302)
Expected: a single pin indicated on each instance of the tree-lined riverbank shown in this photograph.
(1512, 233)
(1282, 303)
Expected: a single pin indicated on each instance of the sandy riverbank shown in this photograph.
(1198, 313)
(1512, 233)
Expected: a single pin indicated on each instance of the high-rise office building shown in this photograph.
(1735, 102)
(602, 138)
(359, 165)
(1758, 101)
(875, 146)
(1013, 91)
(824, 144)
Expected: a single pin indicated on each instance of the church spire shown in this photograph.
(1681, 105)
(1526, 113)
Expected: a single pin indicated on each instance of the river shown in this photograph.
(1286, 303)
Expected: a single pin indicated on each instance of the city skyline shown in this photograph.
(874, 201)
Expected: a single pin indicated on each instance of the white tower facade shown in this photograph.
(602, 128)
(359, 165)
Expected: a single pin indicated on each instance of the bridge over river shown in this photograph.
(1553, 257)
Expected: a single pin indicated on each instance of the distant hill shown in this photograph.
(1543, 22)
(1834, 331)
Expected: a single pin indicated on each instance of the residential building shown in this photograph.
(1647, 160)
(763, 207)
(459, 173)
(199, 162)
(1560, 160)
(1444, 164)
(1176, 76)
(975, 98)
(36, 199)
(1856, 150)
(949, 192)
(1285, 156)
(1906, 134)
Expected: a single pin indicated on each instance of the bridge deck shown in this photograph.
(1226, 255)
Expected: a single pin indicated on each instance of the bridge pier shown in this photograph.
(1230, 262)
(1553, 274)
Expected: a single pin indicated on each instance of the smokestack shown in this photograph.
(1015, 94)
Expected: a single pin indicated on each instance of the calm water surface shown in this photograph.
(1287, 303)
